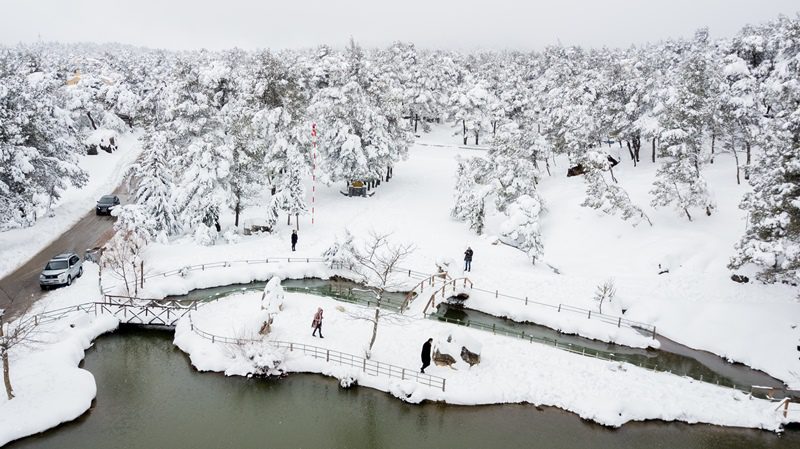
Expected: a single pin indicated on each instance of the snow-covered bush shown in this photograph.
(205, 235)
(341, 255)
(521, 229)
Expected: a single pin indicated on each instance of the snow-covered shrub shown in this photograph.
(231, 236)
(521, 229)
(205, 235)
(263, 359)
(610, 198)
(341, 255)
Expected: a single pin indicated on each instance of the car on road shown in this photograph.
(61, 270)
(106, 203)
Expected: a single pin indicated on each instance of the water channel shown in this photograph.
(149, 396)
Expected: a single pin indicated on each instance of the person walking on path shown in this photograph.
(294, 239)
(317, 323)
(468, 259)
(426, 355)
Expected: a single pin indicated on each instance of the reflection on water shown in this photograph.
(149, 396)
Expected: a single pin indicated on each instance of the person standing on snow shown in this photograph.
(468, 259)
(426, 355)
(294, 239)
(317, 323)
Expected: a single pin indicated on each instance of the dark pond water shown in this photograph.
(338, 288)
(149, 397)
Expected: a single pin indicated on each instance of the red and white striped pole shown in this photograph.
(313, 168)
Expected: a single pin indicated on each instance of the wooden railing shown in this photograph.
(442, 291)
(368, 366)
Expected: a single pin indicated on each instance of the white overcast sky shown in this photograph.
(462, 24)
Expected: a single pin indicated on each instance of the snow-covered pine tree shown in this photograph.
(152, 174)
(471, 192)
(38, 146)
(772, 238)
(356, 141)
(469, 109)
(679, 179)
(512, 158)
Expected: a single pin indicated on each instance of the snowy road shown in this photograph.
(21, 286)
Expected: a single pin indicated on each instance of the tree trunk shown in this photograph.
(685, 209)
(464, 130)
(747, 160)
(288, 219)
(297, 221)
(416, 121)
(637, 145)
(476, 139)
(89, 114)
(141, 273)
(494, 128)
(654, 150)
(736, 158)
(237, 209)
(547, 165)
(630, 150)
(7, 376)
(374, 327)
(713, 142)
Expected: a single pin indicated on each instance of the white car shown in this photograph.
(61, 270)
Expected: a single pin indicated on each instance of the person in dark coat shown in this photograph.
(317, 323)
(294, 239)
(426, 354)
(468, 259)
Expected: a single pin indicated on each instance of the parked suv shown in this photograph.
(61, 270)
(106, 203)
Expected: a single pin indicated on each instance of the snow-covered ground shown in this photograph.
(50, 388)
(510, 370)
(105, 174)
(695, 304)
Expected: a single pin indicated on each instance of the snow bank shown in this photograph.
(510, 371)
(50, 388)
